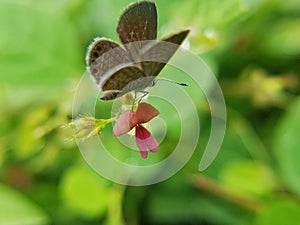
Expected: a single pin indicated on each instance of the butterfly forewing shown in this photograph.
(138, 23)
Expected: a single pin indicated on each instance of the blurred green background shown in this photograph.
(253, 48)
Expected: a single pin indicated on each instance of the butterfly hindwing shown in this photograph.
(103, 55)
(155, 57)
(121, 78)
(122, 82)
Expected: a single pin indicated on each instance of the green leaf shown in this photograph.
(203, 14)
(245, 175)
(16, 209)
(286, 147)
(176, 202)
(279, 212)
(232, 148)
(85, 192)
(289, 6)
(26, 140)
(38, 45)
(283, 38)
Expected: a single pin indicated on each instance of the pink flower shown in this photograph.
(130, 119)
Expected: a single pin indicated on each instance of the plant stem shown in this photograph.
(204, 183)
(114, 214)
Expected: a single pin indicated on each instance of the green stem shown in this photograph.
(114, 214)
(205, 183)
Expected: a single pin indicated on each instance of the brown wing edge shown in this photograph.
(92, 48)
(102, 55)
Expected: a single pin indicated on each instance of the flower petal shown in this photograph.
(141, 134)
(152, 144)
(145, 140)
(144, 113)
(123, 124)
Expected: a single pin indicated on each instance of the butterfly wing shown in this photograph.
(121, 78)
(132, 78)
(125, 80)
(111, 67)
(136, 26)
(106, 58)
(138, 23)
(155, 57)
(104, 55)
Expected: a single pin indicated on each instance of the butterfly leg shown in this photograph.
(133, 103)
(144, 93)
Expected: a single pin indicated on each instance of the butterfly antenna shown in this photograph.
(174, 82)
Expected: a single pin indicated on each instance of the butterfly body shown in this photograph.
(133, 66)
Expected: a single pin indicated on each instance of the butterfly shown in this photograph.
(122, 69)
